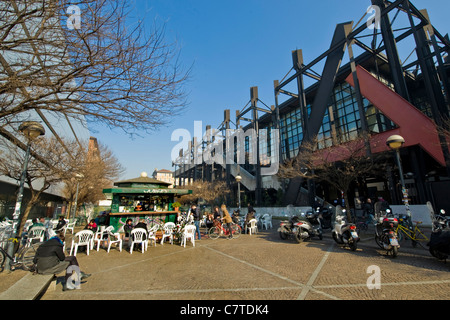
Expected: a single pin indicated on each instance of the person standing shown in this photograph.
(368, 211)
(217, 213)
(197, 215)
(226, 219)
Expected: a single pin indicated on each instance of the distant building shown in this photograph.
(165, 176)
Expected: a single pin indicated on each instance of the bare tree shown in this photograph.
(208, 191)
(98, 168)
(39, 176)
(96, 64)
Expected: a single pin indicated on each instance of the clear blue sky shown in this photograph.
(234, 45)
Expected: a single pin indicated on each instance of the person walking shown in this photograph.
(226, 219)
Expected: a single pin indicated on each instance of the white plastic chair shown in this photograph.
(113, 238)
(152, 234)
(138, 235)
(28, 223)
(253, 228)
(98, 236)
(188, 233)
(81, 238)
(168, 232)
(54, 223)
(35, 233)
(70, 226)
(266, 221)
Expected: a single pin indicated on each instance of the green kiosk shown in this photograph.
(142, 198)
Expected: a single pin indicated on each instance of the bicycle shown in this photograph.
(218, 230)
(22, 258)
(413, 232)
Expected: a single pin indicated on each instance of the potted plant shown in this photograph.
(176, 205)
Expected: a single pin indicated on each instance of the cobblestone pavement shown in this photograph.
(260, 267)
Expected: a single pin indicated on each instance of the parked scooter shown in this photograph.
(440, 238)
(440, 222)
(325, 217)
(300, 229)
(312, 225)
(345, 233)
(385, 234)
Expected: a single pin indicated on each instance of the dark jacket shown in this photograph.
(61, 223)
(141, 225)
(197, 214)
(50, 256)
(127, 228)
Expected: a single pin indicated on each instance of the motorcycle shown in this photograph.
(385, 234)
(299, 229)
(345, 233)
(325, 217)
(440, 222)
(440, 239)
(313, 224)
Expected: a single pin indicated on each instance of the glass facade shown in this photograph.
(341, 123)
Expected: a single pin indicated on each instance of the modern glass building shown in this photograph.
(372, 94)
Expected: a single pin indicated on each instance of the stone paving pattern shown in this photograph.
(256, 267)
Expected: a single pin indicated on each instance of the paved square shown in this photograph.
(260, 267)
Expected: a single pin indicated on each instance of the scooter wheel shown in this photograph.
(394, 252)
(378, 241)
(283, 235)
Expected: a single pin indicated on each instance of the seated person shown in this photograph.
(235, 216)
(91, 226)
(128, 227)
(61, 223)
(142, 224)
(250, 216)
(138, 207)
(50, 259)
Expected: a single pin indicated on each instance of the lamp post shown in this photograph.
(31, 130)
(79, 177)
(238, 180)
(395, 142)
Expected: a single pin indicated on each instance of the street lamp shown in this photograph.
(395, 142)
(79, 177)
(238, 180)
(31, 130)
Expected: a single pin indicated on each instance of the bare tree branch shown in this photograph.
(107, 71)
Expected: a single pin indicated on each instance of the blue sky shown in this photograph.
(232, 46)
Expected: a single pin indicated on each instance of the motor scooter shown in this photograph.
(345, 233)
(312, 224)
(385, 234)
(440, 238)
(301, 228)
